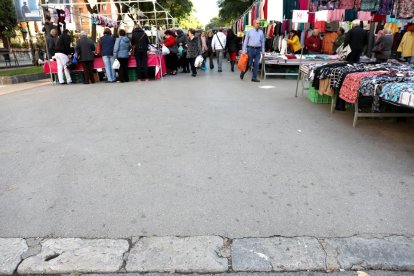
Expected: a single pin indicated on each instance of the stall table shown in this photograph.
(153, 61)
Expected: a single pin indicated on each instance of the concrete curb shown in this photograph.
(205, 254)
(22, 78)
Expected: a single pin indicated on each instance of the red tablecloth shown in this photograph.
(153, 60)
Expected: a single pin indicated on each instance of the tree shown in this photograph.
(8, 21)
(216, 23)
(231, 9)
(190, 22)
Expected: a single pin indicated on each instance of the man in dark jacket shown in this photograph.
(86, 48)
(61, 56)
(107, 51)
(140, 42)
(356, 38)
(51, 43)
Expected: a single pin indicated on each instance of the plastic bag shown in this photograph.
(116, 64)
(180, 51)
(198, 61)
(243, 61)
(343, 52)
(165, 50)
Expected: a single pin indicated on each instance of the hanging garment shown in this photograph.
(364, 15)
(336, 15)
(351, 15)
(332, 26)
(370, 5)
(321, 16)
(321, 26)
(349, 4)
(253, 18)
(407, 45)
(405, 8)
(327, 42)
(385, 7)
(288, 7)
(379, 18)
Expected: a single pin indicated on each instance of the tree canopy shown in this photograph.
(232, 9)
(215, 23)
(190, 22)
(8, 20)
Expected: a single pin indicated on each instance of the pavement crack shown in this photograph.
(126, 255)
(51, 257)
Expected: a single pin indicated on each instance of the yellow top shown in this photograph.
(294, 43)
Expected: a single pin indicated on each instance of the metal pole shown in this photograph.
(47, 49)
(158, 50)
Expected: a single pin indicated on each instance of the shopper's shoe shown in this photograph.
(194, 75)
(242, 75)
(255, 80)
(220, 71)
(211, 67)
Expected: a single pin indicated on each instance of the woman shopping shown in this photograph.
(121, 52)
(232, 47)
(293, 42)
(171, 59)
(194, 50)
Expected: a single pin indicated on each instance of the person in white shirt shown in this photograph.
(218, 44)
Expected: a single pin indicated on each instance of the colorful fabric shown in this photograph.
(392, 91)
(350, 86)
(336, 15)
(405, 8)
(370, 5)
(364, 15)
(350, 14)
(349, 4)
(385, 7)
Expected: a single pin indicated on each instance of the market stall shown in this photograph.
(156, 61)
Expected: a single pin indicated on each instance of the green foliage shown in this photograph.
(232, 9)
(8, 20)
(216, 23)
(190, 22)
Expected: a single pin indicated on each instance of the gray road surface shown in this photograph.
(187, 156)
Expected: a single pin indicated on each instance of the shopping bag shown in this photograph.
(343, 52)
(75, 58)
(165, 50)
(180, 51)
(116, 64)
(243, 61)
(198, 61)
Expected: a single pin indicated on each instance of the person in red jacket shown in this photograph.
(171, 60)
(314, 43)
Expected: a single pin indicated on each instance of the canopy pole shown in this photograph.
(47, 48)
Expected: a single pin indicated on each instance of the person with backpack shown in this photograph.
(140, 42)
(107, 42)
(193, 50)
(218, 45)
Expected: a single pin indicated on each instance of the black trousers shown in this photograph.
(171, 61)
(184, 62)
(353, 57)
(88, 72)
(123, 69)
(142, 64)
(191, 61)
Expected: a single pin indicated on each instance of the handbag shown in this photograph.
(343, 52)
(165, 50)
(243, 61)
(116, 64)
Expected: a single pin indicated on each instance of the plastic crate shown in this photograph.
(314, 96)
(132, 74)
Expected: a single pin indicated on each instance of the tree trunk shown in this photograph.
(5, 41)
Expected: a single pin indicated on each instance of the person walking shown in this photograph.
(182, 42)
(140, 42)
(107, 47)
(356, 38)
(171, 60)
(204, 49)
(121, 52)
(293, 42)
(85, 47)
(340, 39)
(210, 49)
(254, 45)
(62, 52)
(231, 47)
(194, 50)
(218, 45)
(383, 45)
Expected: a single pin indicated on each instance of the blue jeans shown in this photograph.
(254, 57)
(110, 73)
